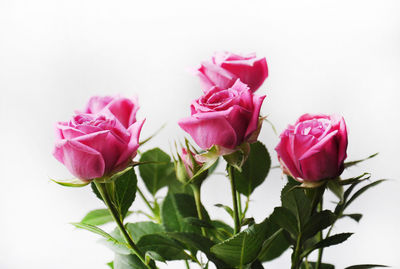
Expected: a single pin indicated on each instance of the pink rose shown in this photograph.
(95, 145)
(121, 108)
(314, 148)
(225, 68)
(224, 117)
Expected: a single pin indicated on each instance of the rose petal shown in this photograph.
(124, 110)
(81, 160)
(133, 144)
(216, 75)
(210, 129)
(285, 154)
(253, 124)
(109, 146)
(252, 72)
(321, 164)
(239, 119)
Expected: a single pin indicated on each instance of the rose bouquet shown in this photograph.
(100, 143)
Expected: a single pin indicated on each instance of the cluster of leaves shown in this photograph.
(175, 231)
(302, 219)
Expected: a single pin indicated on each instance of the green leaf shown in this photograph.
(318, 222)
(187, 206)
(349, 164)
(222, 231)
(156, 175)
(353, 183)
(327, 242)
(213, 167)
(365, 266)
(175, 186)
(136, 230)
(128, 262)
(124, 191)
(192, 240)
(97, 217)
(227, 209)
(356, 217)
(198, 222)
(198, 242)
(96, 191)
(254, 170)
(357, 179)
(333, 240)
(335, 186)
(139, 229)
(93, 229)
(362, 190)
(111, 265)
(218, 224)
(275, 244)
(111, 241)
(312, 265)
(295, 199)
(175, 208)
(242, 248)
(75, 182)
(211, 158)
(256, 265)
(167, 248)
(285, 219)
(238, 157)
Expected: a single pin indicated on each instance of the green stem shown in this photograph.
(241, 215)
(145, 199)
(296, 260)
(156, 215)
(197, 199)
(320, 237)
(187, 264)
(234, 199)
(246, 207)
(102, 188)
(306, 262)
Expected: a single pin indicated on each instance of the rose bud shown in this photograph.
(225, 68)
(314, 148)
(94, 145)
(224, 117)
(187, 165)
(123, 109)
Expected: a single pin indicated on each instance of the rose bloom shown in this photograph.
(123, 109)
(225, 68)
(314, 148)
(96, 145)
(224, 117)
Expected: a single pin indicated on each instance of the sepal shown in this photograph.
(75, 182)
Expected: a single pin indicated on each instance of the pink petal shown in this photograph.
(130, 152)
(257, 103)
(239, 119)
(322, 143)
(124, 110)
(251, 72)
(108, 145)
(216, 75)
(284, 151)
(210, 129)
(322, 164)
(82, 161)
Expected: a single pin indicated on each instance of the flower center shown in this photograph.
(314, 127)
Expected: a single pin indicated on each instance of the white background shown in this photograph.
(324, 56)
